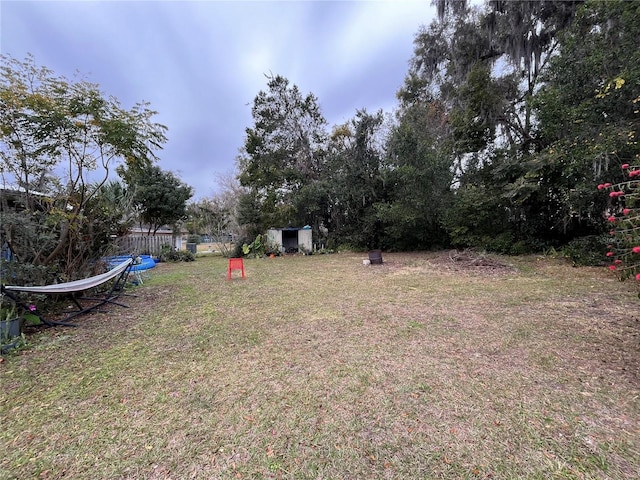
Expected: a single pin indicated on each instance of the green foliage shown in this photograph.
(488, 134)
(238, 250)
(11, 321)
(508, 116)
(588, 113)
(356, 182)
(474, 117)
(259, 247)
(159, 196)
(57, 227)
(586, 251)
(170, 254)
(251, 215)
(417, 179)
(255, 248)
(211, 217)
(283, 153)
(589, 123)
(624, 218)
(8, 311)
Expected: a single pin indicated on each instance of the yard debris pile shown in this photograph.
(471, 260)
(455, 262)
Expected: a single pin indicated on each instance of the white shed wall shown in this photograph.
(275, 237)
(305, 240)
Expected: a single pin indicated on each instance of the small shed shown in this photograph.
(291, 239)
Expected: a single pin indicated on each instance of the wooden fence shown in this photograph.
(141, 244)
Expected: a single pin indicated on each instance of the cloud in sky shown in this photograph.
(200, 64)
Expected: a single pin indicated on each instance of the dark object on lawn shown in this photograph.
(375, 257)
(10, 331)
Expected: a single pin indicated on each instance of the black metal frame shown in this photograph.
(117, 289)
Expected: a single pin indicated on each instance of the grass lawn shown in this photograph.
(319, 367)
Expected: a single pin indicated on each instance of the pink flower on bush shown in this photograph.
(612, 267)
(32, 308)
(638, 276)
(634, 173)
(626, 211)
(609, 254)
(625, 166)
(607, 185)
(611, 219)
(636, 249)
(616, 194)
(618, 261)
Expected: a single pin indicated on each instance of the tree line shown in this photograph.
(510, 115)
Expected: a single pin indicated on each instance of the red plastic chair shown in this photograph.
(235, 264)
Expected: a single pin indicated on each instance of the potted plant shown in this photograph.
(10, 327)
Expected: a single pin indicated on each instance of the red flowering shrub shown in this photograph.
(624, 217)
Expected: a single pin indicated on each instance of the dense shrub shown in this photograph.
(586, 251)
(624, 218)
(170, 254)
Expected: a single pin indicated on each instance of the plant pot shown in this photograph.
(10, 331)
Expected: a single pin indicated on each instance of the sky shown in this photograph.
(200, 64)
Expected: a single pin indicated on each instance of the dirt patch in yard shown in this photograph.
(455, 262)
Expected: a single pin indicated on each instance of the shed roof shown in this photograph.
(306, 227)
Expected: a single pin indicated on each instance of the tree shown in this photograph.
(355, 182)
(517, 37)
(588, 110)
(283, 152)
(50, 125)
(108, 214)
(486, 67)
(251, 216)
(211, 217)
(159, 196)
(418, 179)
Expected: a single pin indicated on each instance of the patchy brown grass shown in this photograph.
(320, 367)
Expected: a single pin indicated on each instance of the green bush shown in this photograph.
(259, 247)
(586, 251)
(169, 254)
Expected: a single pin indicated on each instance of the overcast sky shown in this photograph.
(200, 64)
